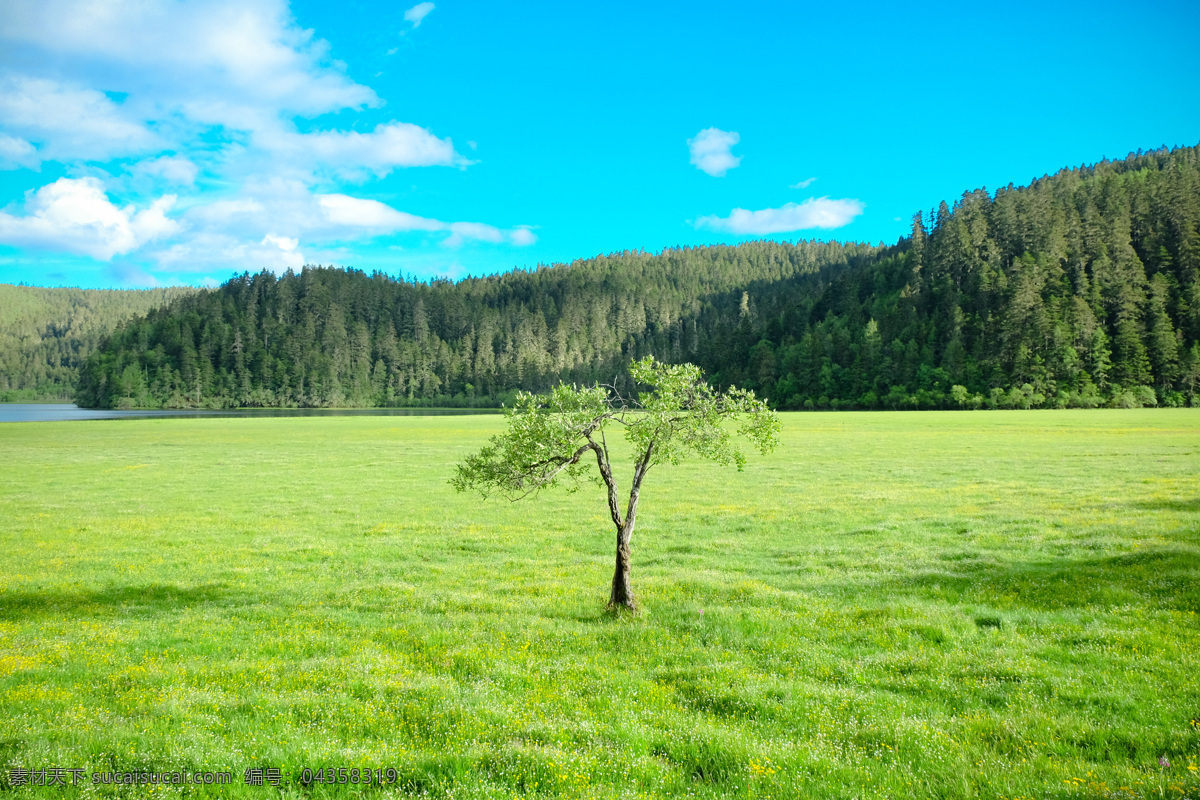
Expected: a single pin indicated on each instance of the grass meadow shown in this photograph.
(951, 605)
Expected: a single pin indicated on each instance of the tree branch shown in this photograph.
(606, 474)
(639, 472)
(562, 461)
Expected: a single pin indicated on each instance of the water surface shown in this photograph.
(55, 412)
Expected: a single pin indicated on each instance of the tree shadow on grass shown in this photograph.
(148, 599)
(1171, 505)
(1165, 578)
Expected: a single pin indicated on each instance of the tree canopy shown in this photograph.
(550, 439)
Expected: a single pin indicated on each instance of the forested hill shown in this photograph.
(331, 337)
(1081, 289)
(46, 334)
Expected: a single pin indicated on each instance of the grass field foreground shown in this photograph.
(948, 605)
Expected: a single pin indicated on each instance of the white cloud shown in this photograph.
(246, 51)
(817, 213)
(174, 169)
(75, 215)
(418, 13)
(69, 122)
(241, 67)
(523, 237)
(228, 212)
(710, 151)
(463, 231)
(153, 223)
(212, 88)
(275, 253)
(282, 242)
(17, 153)
(390, 145)
(804, 184)
(275, 224)
(354, 212)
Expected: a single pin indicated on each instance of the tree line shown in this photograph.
(47, 334)
(1081, 289)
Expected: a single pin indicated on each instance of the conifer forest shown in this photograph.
(1081, 289)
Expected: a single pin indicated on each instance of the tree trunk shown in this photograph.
(622, 591)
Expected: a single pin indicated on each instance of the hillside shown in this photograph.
(1081, 289)
(46, 334)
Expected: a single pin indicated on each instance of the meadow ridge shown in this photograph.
(946, 604)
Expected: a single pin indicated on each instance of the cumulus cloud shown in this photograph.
(804, 184)
(296, 219)
(75, 215)
(190, 89)
(246, 51)
(710, 151)
(242, 67)
(418, 13)
(815, 213)
(67, 122)
(282, 242)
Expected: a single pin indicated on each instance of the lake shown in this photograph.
(55, 412)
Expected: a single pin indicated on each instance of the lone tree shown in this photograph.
(553, 436)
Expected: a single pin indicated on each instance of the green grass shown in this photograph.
(946, 605)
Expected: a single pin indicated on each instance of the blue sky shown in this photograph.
(149, 143)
